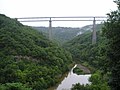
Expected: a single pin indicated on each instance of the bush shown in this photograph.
(14, 86)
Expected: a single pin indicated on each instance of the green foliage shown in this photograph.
(14, 86)
(97, 83)
(112, 33)
(60, 34)
(65, 34)
(78, 71)
(94, 55)
(80, 87)
(28, 57)
(82, 50)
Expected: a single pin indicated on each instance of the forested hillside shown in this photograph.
(104, 56)
(83, 50)
(93, 56)
(28, 60)
(65, 34)
(60, 34)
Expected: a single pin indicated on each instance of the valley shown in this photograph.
(30, 61)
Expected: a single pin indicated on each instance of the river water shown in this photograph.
(73, 78)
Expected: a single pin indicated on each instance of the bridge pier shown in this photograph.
(50, 29)
(74, 18)
(94, 32)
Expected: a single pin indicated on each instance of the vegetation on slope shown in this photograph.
(93, 55)
(60, 34)
(98, 83)
(29, 58)
(112, 33)
(82, 50)
(78, 71)
(64, 34)
(108, 56)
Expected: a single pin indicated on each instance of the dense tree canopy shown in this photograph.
(112, 32)
(84, 51)
(105, 55)
(29, 61)
(91, 55)
(28, 57)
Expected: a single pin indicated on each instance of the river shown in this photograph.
(73, 78)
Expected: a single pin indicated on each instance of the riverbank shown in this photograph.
(83, 68)
(62, 77)
(70, 78)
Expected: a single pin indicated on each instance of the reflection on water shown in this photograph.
(73, 78)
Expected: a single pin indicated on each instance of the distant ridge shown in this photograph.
(64, 34)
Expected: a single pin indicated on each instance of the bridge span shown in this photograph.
(70, 18)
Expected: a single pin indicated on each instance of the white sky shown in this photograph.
(42, 8)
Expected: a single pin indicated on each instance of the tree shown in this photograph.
(14, 86)
(28, 57)
(112, 32)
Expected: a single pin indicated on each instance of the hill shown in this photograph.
(84, 51)
(89, 28)
(28, 58)
(60, 34)
(65, 34)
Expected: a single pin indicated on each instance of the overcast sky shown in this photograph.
(41, 8)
